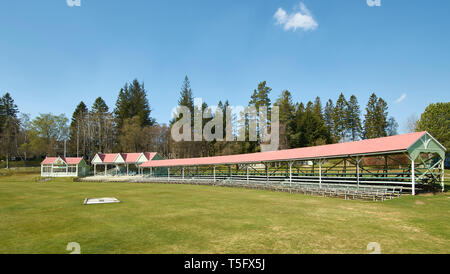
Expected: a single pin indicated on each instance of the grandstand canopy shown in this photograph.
(412, 144)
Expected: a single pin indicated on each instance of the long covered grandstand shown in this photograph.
(372, 168)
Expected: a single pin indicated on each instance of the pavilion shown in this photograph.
(414, 161)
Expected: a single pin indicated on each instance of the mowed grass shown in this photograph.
(161, 218)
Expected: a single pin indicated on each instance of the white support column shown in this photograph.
(413, 178)
(247, 173)
(442, 174)
(168, 173)
(76, 170)
(95, 169)
(320, 173)
(42, 170)
(267, 172)
(106, 168)
(214, 173)
(290, 173)
(357, 170)
(151, 172)
(127, 169)
(67, 170)
(51, 171)
(182, 173)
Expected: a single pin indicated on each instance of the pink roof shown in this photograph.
(108, 157)
(68, 160)
(150, 155)
(377, 145)
(129, 158)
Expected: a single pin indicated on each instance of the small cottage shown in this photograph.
(64, 167)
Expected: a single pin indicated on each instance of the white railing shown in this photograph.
(59, 174)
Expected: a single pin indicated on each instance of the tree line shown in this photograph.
(129, 127)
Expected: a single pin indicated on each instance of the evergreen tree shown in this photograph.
(370, 116)
(354, 118)
(139, 105)
(287, 118)
(317, 108)
(8, 109)
(99, 106)
(184, 149)
(311, 129)
(340, 117)
(186, 97)
(260, 98)
(78, 131)
(121, 111)
(328, 113)
(132, 101)
(103, 138)
(296, 136)
(381, 118)
(9, 127)
(375, 122)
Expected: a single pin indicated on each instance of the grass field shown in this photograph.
(159, 218)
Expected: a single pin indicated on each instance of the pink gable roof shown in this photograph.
(108, 157)
(131, 157)
(72, 160)
(377, 145)
(49, 160)
(150, 155)
(68, 160)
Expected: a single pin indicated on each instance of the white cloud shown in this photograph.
(401, 98)
(302, 19)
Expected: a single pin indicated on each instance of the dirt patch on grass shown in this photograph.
(419, 203)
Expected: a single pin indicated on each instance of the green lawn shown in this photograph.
(160, 218)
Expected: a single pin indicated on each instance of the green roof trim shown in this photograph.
(426, 144)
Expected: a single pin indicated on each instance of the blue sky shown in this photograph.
(52, 56)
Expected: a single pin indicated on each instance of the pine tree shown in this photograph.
(99, 106)
(381, 118)
(287, 118)
(186, 96)
(328, 118)
(317, 108)
(260, 98)
(103, 127)
(9, 127)
(139, 105)
(121, 112)
(375, 122)
(78, 131)
(8, 109)
(132, 101)
(184, 149)
(354, 118)
(340, 117)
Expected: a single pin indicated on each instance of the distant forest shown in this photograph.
(129, 126)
